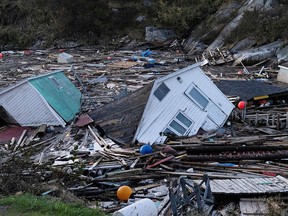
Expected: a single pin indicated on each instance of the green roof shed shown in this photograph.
(60, 93)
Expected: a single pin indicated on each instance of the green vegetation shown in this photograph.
(25, 22)
(48, 23)
(184, 15)
(28, 205)
(263, 26)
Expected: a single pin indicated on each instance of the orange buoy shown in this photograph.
(124, 192)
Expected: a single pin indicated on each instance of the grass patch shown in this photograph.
(29, 205)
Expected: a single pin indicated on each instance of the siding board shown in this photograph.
(27, 107)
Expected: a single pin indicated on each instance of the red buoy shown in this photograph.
(241, 105)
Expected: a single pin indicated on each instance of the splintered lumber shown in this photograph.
(145, 187)
(20, 139)
(98, 141)
(272, 155)
(134, 163)
(124, 173)
(96, 163)
(217, 149)
(159, 162)
(129, 178)
(44, 143)
(251, 169)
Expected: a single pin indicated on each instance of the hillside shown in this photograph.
(200, 24)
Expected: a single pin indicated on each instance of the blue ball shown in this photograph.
(146, 149)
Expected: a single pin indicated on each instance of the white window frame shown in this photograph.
(187, 128)
(187, 93)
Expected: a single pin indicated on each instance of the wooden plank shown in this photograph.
(20, 139)
(159, 162)
(253, 207)
(136, 189)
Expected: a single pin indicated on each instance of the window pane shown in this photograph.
(198, 97)
(183, 119)
(176, 126)
(161, 91)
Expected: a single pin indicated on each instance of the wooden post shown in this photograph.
(256, 118)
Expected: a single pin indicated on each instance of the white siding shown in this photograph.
(209, 125)
(216, 114)
(28, 107)
(283, 74)
(158, 114)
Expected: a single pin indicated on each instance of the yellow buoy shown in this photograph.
(124, 192)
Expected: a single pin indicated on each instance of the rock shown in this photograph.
(246, 43)
(159, 35)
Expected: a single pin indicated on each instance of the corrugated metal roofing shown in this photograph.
(60, 93)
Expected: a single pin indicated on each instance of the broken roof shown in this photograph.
(120, 118)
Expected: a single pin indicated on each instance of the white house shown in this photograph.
(181, 103)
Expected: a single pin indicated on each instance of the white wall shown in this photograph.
(28, 107)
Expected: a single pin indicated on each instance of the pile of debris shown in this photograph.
(177, 142)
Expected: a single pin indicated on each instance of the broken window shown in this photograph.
(179, 125)
(56, 82)
(161, 91)
(198, 97)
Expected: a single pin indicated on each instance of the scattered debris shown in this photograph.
(202, 153)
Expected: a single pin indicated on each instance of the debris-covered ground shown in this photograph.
(240, 167)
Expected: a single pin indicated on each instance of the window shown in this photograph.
(179, 125)
(198, 97)
(56, 82)
(161, 91)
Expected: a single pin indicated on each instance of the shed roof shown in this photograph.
(247, 89)
(62, 95)
(26, 80)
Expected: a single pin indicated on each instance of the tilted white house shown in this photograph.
(181, 103)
